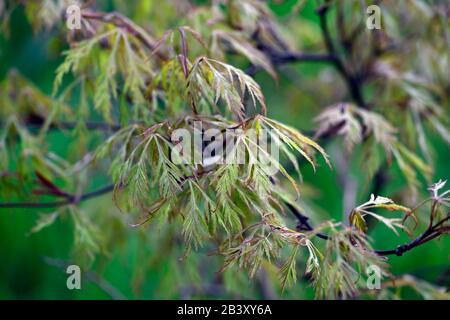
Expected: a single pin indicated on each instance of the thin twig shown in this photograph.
(91, 276)
(428, 235)
(431, 233)
(332, 56)
(121, 21)
(69, 125)
(350, 79)
(69, 199)
(280, 58)
(303, 223)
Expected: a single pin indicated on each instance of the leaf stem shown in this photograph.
(69, 199)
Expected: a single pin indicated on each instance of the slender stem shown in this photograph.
(302, 57)
(121, 21)
(277, 58)
(303, 223)
(280, 58)
(91, 125)
(428, 235)
(68, 125)
(69, 199)
(351, 80)
(400, 250)
(93, 277)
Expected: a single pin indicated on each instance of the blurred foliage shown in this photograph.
(80, 109)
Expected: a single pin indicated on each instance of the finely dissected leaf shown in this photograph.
(340, 119)
(295, 139)
(358, 221)
(44, 221)
(251, 252)
(150, 212)
(427, 290)
(312, 264)
(288, 273)
(194, 225)
(73, 59)
(88, 239)
(355, 123)
(220, 78)
(124, 57)
(357, 216)
(346, 257)
(239, 44)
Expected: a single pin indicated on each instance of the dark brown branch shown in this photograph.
(353, 84)
(428, 235)
(302, 57)
(303, 223)
(68, 125)
(351, 80)
(280, 58)
(68, 199)
(91, 125)
(73, 199)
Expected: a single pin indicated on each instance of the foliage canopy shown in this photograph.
(129, 80)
